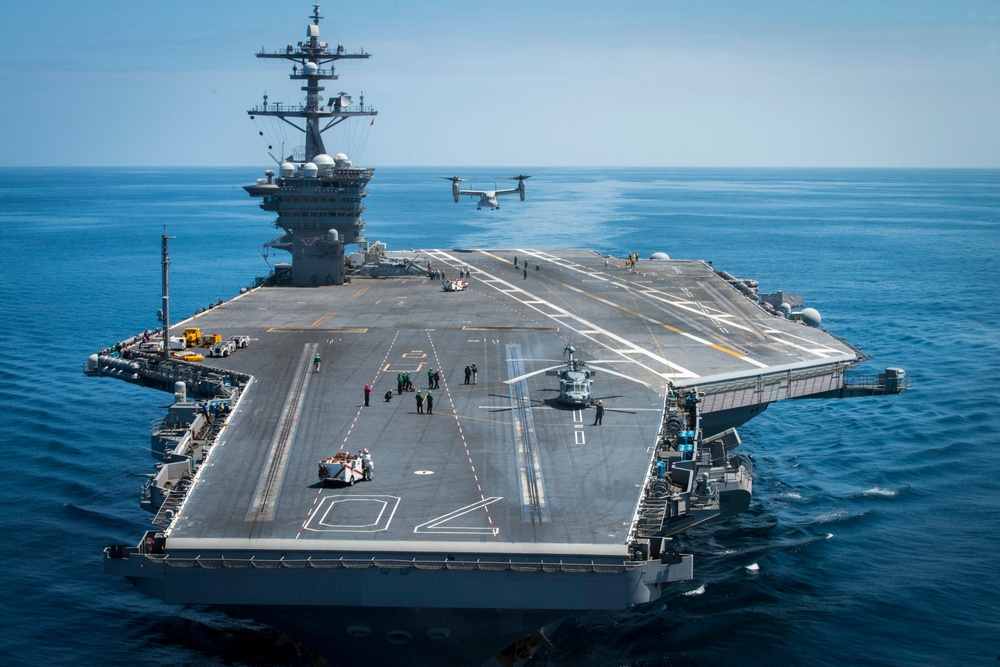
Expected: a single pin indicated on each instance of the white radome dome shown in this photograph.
(310, 69)
(811, 317)
(310, 170)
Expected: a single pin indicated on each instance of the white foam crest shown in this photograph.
(836, 515)
(698, 591)
(752, 567)
(879, 491)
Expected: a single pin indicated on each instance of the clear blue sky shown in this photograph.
(851, 83)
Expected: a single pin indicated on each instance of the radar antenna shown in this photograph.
(311, 57)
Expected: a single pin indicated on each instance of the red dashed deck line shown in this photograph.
(374, 381)
(349, 431)
(309, 514)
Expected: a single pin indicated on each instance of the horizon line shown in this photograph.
(522, 167)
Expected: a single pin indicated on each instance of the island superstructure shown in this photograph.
(319, 198)
(497, 508)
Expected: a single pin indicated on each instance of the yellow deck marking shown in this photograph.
(726, 350)
(322, 319)
(312, 328)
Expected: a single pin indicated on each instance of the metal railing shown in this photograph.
(877, 382)
(281, 107)
(402, 566)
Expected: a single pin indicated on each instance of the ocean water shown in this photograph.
(873, 535)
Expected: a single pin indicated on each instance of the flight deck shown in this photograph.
(498, 467)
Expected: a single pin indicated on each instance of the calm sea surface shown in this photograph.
(874, 533)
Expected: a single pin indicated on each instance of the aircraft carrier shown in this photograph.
(501, 507)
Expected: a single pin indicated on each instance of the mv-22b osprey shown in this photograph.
(487, 198)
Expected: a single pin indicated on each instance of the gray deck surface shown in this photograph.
(491, 466)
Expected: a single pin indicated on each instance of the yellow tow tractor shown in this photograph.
(192, 336)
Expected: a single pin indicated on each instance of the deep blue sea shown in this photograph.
(874, 533)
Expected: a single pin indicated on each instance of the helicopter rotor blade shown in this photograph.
(610, 361)
(531, 374)
(627, 377)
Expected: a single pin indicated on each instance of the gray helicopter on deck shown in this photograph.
(575, 377)
(487, 198)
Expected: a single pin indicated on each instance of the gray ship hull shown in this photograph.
(393, 612)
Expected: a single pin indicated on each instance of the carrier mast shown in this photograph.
(310, 57)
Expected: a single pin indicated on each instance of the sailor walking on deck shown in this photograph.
(367, 465)
(368, 393)
(420, 403)
(317, 361)
(429, 399)
(599, 417)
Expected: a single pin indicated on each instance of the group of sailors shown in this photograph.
(404, 384)
(630, 261)
(216, 408)
(435, 274)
